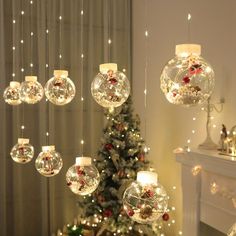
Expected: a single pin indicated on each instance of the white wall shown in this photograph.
(168, 126)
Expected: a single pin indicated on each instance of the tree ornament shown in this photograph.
(83, 177)
(110, 88)
(187, 79)
(108, 146)
(23, 151)
(48, 162)
(11, 94)
(107, 213)
(60, 89)
(165, 217)
(31, 91)
(145, 200)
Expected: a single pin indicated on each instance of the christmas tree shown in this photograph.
(121, 155)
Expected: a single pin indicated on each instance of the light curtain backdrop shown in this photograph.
(24, 205)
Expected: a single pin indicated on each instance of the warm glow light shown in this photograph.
(196, 170)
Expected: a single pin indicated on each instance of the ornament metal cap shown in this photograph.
(23, 140)
(31, 78)
(104, 68)
(14, 84)
(48, 148)
(186, 49)
(60, 73)
(147, 177)
(83, 161)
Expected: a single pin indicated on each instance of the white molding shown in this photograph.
(196, 207)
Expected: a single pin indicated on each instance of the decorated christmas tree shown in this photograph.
(121, 155)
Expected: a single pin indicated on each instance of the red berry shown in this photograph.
(113, 81)
(186, 79)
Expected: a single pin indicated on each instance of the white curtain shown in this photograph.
(31, 204)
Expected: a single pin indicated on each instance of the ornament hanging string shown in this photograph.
(60, 36)
(13, 40)
(109, 30)
(22, 66)
(146, 74)
(47, 73)
(47, 111)
(189, 17)
(31, 37)
(82, 73)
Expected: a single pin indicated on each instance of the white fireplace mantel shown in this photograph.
(200, 203)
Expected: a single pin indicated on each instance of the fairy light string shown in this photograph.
(22, 65)
(189, 18)
(31, 37)
(146, 33)
(47, 134)
(60, 35)
(13, 40)
(109, 41)
(82, 73)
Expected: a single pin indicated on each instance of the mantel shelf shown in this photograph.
(209, 160)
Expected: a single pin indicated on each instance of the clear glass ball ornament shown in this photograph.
(11, 94)
(60, 89)
(31, 90)
(48, 162)
(232, 231)
(83, 177)
(110, 88)
(187, 79)
(145, 200)
(22, 152)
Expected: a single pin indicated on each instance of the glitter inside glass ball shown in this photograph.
(31, 91)
(187, 79)
(83, 177)
(60, 89)
(48, 162)
(22, 152)
(145, 200)
(110, 88)
(11, 94)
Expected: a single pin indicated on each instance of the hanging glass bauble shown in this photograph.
(232, 231)
(23, 151)
(83, 177)
(187, 79)
(110, 88)
(60, 89)
(31, 90)
(48, 162)
(145, 200)
(11, 94)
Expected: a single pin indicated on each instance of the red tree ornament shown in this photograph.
(107, 213)
(108, 146)
(166, 217)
